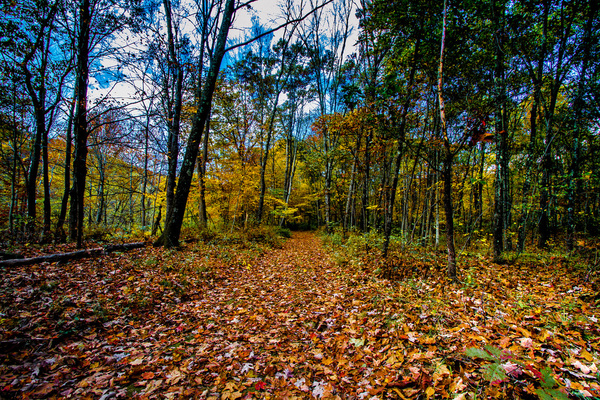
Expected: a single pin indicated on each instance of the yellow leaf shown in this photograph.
(523, 331)
(427, 340)
(576, 386)
(588, 357)
(544, 335)
(399, 393)
(442, 370)
(479, 338)
(429, 391)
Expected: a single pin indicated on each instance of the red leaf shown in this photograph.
(537, 373)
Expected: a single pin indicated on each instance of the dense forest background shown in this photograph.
(472, 124)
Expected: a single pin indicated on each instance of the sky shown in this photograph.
(269, 13)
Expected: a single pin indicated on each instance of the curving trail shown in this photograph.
(205, 322)
(277, 323)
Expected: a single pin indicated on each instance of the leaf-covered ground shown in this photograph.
(242, 321)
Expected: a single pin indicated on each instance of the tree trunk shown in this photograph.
(578, 109)
(328, 170)
(365, 191)
(39, 103)
(447, 171)
(263, 165)
(389, 209)
(448, 211)
(101, 181)
(74, 255)
(46, 182)
(38, 98)
(174, 110)
(174, 221)
(290, 162)
(536, 77)
(500, 184)
(351, 186)
(76, 214)
(547, 157)
(203, 215)
(59, 231)
(478, 190)
(14, 163)
(145, 178)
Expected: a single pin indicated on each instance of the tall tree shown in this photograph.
(173, 97)
(448, 157)
(328, 52)
(534, 61)
(562, 27)
(170, 235)
(579, 110)
(45, 67)
(76, 214)
(174, 221)
(501, 187)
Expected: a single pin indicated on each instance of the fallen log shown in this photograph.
(74, 255)
(9, 256)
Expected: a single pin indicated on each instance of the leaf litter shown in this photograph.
(215, 322)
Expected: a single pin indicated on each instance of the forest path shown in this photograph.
(272, 319)
(215, 321)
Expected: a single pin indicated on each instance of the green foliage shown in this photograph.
(494, 372)
(284, 232)
(548, 390)
(264, 235)
(475, 352)
(99, 233)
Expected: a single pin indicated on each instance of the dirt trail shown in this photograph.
(152, 324)
(268, 321)
(206, 323)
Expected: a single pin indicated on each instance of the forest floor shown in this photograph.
(222, 322)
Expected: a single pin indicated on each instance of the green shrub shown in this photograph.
(98, 233)
(263, 234)
(284, 232)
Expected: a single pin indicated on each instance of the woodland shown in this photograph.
(372, 199)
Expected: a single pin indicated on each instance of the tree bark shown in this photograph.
(352, 184)
(391, 194)
(174, 109)
(174, 220)
(448, 159)
(578, 109)
(74, 255)
(500, 184)
(76, 214)
(547, 157)
(203, 214)
(365, 191)
(59, 230)
(145, 177)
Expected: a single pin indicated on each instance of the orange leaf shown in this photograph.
(148, 375)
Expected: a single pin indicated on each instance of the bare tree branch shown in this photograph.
(293, 21)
